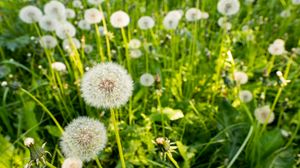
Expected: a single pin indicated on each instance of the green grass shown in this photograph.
(195, 71)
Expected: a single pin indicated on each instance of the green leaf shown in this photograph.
(29, 119)
(6, 152)
(53, 130)
(183, 150)
(173, 114)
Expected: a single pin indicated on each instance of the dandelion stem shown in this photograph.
(115, 122)
(98, 163)
(44, 108)
(126, 50)
(172, 160)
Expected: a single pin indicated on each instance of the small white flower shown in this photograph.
(240, 77)
(146, 22)
(119, 19)
(83, 138)
(84, 25)
(4, 84)
(88, 48)
(134, 44)
(72, 163)
(147, 79)
(228, 7)
(55, 9)
(296, 2)
(48, 23)
(59, 66)
(68, 44)
(93, 16)
(135, 53)
(28, 142)
(245, 96)
(65, 30)
(48, 41)
(106, 85)
(95, 2)
(263, 113)
(193, 14)
(30, 14)
(277, 47)
(70, 13)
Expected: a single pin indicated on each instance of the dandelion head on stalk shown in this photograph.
(277, 47)
(83, 138)
(296, 2)
(93, 16)
(48, 41)
(170, 22)
(56, 10)
(264, 114)
(147, 79)
(72, 163)
(223, 23)
(84, 25)
(30, 14)
(68, 44)
(48, 23)
(245, 96)
(95, 2)
(65, 30)
(119, 19)
(77, 4)
(228, 7)
(240, 77)
(193, 14)
(134, 44)
(70, 13)
(106, 85)
(59, 66)
(28, 142)
(146, 22)
(175, 14)
(135, 53)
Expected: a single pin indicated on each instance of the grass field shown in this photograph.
(150, 83)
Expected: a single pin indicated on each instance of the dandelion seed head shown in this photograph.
(106, 85)
(228, 7)
(77, 4)
(147, 79)
(56, 10)
(30, 14)
(170, 22)
(296, 2)
(88, 48)
(48, 41)
(83, 138)
(65, 30)
(193, 14)
(119, 19)
(245, 96)
(93, 16)
(240, 77)
(277, 47)
(146, 22)
(84, 25)
(72, 163)
(95, 2)
(28, 142)
(68, 44)
(59, 66)
(135, 53)
(177, 14)
(48, 23)
(262, 114)
(70, 13)
(134, 44)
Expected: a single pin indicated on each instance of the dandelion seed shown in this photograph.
(245, 96)
(65, 30)
(83, 138)
(59, 66)
(93, 16)
(30, 14)
(146, 22)
(47, 23)
(72, 163)
(84, 25)
(147, 79)
(106, 85)
(277, 47)
(119, 19)
(240, 77)
(228, 7)
(193, 14)
(95, 2)
(69, 43)
(48, 42)
(263, 113)
(135, 53)
(55, 9)
(134, 44)
(70, 13)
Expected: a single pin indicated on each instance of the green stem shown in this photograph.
(44, 108)
(98, 163)
(172, 160)
(115, 122)
(126, 50)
